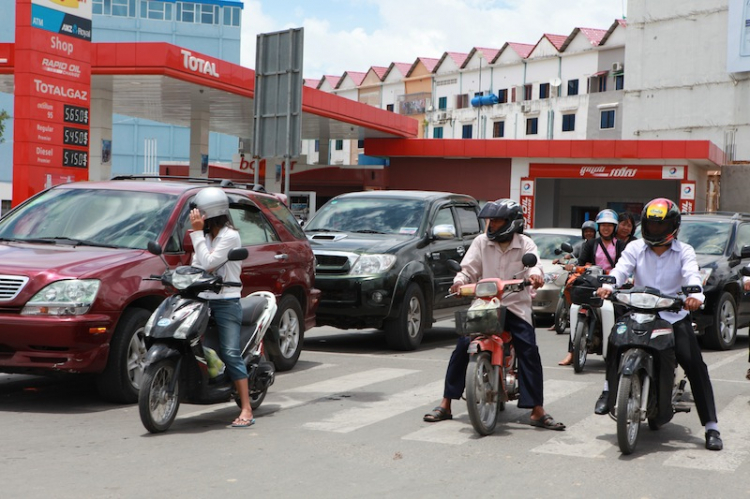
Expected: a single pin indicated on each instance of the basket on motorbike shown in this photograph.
(582, 291)
(480, 320)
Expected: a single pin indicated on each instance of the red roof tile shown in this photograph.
(402, 67)
(381, 71)
(332, 80)
(556, 40)
(522, 49)
(309, 82)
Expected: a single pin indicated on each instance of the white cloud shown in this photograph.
(404, 30)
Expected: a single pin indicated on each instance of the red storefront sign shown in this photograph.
(635, 172)
(527, 201)
(687, 196)
(52, 94)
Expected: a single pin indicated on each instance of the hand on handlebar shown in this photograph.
(692, 304)
(536, 281)
(603, 292)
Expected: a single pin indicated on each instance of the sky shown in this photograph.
(353, 35)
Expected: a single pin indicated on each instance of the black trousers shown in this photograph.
(689, 356)
(530, 378)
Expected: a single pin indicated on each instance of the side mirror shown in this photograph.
(566, 247)
(745, 271)
(445, 231)
(454, 266)
(529, 260)
(745, 252)
(154, 248)
(688, 290)
(607, 279)
(237, 254)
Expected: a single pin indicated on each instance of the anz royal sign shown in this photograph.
(52, 94)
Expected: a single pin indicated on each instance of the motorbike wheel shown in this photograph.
(628, 412)
(580, 349)
(562, 316)
(481, 393)
(156, 405)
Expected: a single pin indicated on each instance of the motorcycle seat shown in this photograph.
(252, 308)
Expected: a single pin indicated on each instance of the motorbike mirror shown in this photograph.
(745, 271)
(567, 247)
(237, 254)
(607, 279)
(154, 248)
(689, 290)
(529, 260)
(453, 265)
(558, 251)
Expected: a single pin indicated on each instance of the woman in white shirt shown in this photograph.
(213, 237)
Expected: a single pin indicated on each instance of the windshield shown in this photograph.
(547, 243)
(369, 215)
(94, 217)
(707, 238)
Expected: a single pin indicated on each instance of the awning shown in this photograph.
(600, 73)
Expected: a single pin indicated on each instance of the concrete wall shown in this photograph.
(735, 187)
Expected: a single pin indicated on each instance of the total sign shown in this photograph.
(527, 201)
(52, 94)
(687, 196)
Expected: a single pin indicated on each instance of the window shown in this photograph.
(5, 206)
(360, 144)
(572, 87)
(544, 90)
(252, 225)
(527, 92)
(232, 16)
(619, 82)
(498, 129)
(122, 8)
(467, 217)
(209, 14)
(502, 96)
(389, 107)
(99, 7)
(608, 118)
(532, 125)
(478, 94)
(443, 103)
(339, 145)
(743, 238)
(445, 217)
(603, 83)
(437, 132)
(317, 145)
(466, 131)
(568, 122)
(160, 11)
(185, 12)
(462, 101)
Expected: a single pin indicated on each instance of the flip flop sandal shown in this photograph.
(243, 423)
(547, 422)
(437, 414)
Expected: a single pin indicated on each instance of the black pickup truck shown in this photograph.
(381, 260)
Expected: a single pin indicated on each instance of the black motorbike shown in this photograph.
(645, 346)
(182, 341)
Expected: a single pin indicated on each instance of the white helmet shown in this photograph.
(212, 202)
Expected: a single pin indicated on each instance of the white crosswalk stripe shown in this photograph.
(580, 439)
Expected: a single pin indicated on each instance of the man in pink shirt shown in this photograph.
(498, 253)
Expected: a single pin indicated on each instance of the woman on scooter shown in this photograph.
(603, 251)
(213, 236)
(626, 228)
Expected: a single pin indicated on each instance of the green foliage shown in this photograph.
(3, 116)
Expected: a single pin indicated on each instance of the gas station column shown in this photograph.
(199, 129)
(100, 165)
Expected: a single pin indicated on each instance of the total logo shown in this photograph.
(687, 189)
(672, 170)
(189, 61)
(60, 91)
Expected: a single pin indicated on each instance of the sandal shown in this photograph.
(547, 422)
(566, 361)
(437, 414)
(243, 423)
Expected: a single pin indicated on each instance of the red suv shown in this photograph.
(73, 261)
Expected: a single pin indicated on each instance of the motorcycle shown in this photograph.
(562, 311)
(491, 377)
(646, 386)
(590, 318)
(181, 362)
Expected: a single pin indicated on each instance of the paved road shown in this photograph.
(347, 422)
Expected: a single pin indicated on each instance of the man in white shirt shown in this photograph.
(498, 253)
(660, 261)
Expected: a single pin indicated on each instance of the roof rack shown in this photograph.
(222, 182)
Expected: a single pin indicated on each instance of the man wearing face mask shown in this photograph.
(497, 254)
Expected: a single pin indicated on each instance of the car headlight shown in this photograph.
(372, 264)
(705, 274)
(69, 297)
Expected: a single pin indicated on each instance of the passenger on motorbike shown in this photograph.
(660, 261)
(588, 232)
(626, 227)
(213, 236)
(603, 251)
(498, 253)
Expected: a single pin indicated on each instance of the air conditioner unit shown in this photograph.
(525, 107)
(617, 66)
(442, 116)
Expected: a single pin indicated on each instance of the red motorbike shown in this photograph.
(491, 378)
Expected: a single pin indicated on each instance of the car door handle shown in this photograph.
(282, 256)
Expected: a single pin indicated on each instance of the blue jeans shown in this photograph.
(228, 317)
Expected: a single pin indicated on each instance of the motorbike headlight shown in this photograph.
(185, 276)
(372, 264)
(68, 297)
(485, 289)
(645, 300)
(705, 274)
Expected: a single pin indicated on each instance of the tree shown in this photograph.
(3, 116)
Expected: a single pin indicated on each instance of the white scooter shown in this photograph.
(591, 319)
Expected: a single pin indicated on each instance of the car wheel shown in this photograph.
(405, 332)
(285, 346)
(121, 379)
(722, 334)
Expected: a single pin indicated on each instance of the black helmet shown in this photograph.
(664, 212)
(509, 210)
(588, 224)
